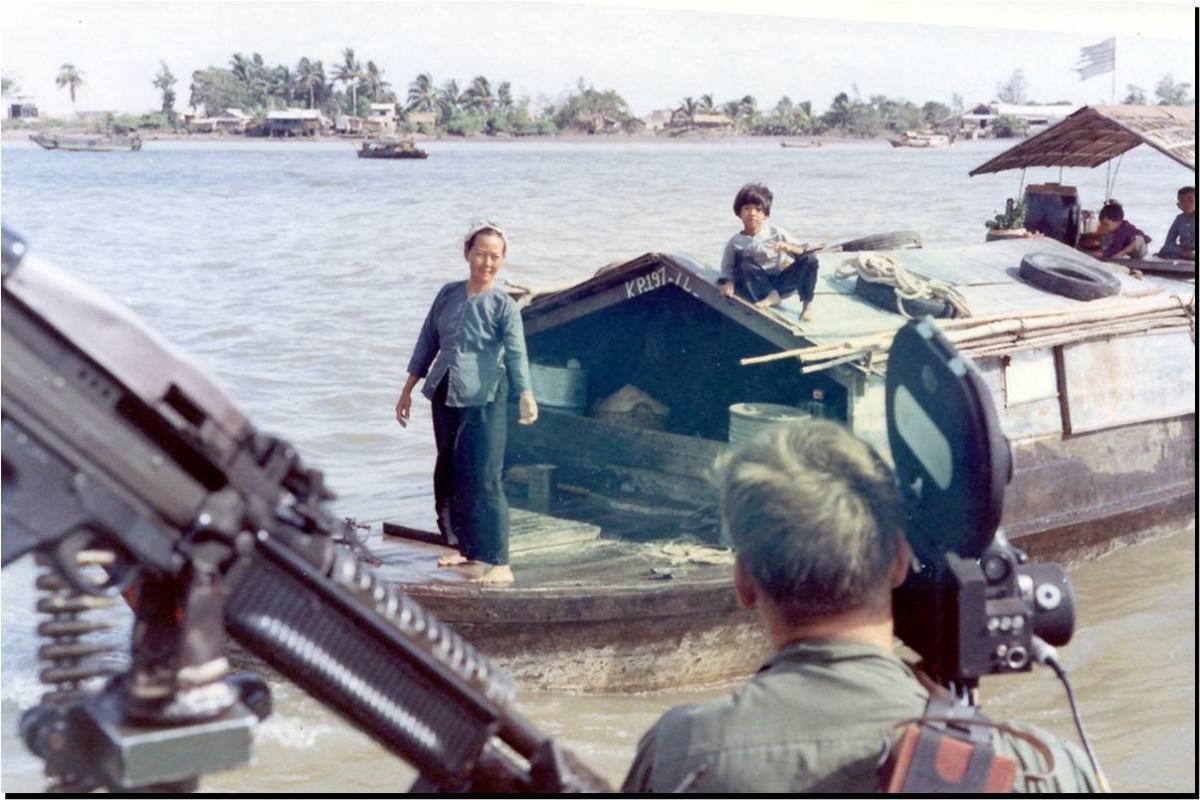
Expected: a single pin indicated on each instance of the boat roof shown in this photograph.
(1095, 134)
(986, 275)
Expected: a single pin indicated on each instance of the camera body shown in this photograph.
(973, 603)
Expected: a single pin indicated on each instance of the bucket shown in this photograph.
(562, 388)
(747, 420)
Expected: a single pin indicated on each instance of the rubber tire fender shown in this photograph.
(1068, 277)
(883, 295)
(895, 240)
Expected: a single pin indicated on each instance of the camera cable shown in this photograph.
(1045, 653)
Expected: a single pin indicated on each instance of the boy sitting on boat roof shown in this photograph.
(762, 264)
(1122, 239)
(1181, 238)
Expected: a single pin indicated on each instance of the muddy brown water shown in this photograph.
(300, 274)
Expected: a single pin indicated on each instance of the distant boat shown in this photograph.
(89, 142)
(799, 144)
(914, 139)
(389, 148)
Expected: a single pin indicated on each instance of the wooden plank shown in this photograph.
(528, 532)
(562, 438)
(1129, 379)
(1024, 388)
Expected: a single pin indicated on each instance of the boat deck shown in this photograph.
(556, 552)
(985, 275)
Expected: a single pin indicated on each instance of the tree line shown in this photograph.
(249, 84)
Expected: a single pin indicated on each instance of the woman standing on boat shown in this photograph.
(472, 333)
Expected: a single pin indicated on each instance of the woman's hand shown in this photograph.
(404, 408)
(527, 408)
(726, 289)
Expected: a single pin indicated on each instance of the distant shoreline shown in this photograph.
(10, 134)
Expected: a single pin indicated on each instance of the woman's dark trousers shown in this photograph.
(471, 508)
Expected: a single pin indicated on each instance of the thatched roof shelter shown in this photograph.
(1095, 134)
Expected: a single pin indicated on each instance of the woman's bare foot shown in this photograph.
(805, 314)
(495, 574)
(771, 299)
(456, 560)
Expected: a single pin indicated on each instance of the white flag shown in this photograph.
(1097, 59)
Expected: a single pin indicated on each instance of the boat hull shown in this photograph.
(89, 144)
(650, 636)
(614, 639)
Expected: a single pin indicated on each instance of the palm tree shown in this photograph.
(749, 106)
(449, 98)
(422, 96)
(479, 95)
(71, 78)
(254, 76)
(689, 108)
(374, 80)
(349, 72)
(283, 84)
(706, 104)
(241, 67)
(504, 98)
(310, 77)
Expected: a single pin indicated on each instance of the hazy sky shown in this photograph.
(652, 53)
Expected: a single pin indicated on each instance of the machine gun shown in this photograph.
(127, 469)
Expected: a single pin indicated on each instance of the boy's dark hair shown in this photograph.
(1112, 210)
(1185, 190)
(753, 194)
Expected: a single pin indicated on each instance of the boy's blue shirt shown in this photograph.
(757, 250)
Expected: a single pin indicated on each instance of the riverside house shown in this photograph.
(382, 119)
(294, 122)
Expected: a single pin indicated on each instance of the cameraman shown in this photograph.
(818, 529)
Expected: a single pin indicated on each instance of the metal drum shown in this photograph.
(747, 420)
(1053, 209)
(562, 388)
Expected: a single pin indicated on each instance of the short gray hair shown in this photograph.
(814, 515)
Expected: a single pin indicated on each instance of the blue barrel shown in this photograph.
(563, 388)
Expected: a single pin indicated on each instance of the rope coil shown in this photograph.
(880, 268)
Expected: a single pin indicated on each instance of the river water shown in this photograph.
(299, 275)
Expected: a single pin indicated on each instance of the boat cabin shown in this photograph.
(645, 373)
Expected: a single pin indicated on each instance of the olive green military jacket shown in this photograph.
(814, 719)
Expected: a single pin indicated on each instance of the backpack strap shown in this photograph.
(949, 750)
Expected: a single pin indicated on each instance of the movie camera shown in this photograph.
(973, 604)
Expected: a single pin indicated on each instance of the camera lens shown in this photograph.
(1017, 658)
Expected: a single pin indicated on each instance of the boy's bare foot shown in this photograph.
(771, 299)
(456, 560)
(805, 313)
(495, 575)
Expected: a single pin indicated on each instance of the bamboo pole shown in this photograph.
(1080, 321)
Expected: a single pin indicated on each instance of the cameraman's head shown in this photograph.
(818, 527)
